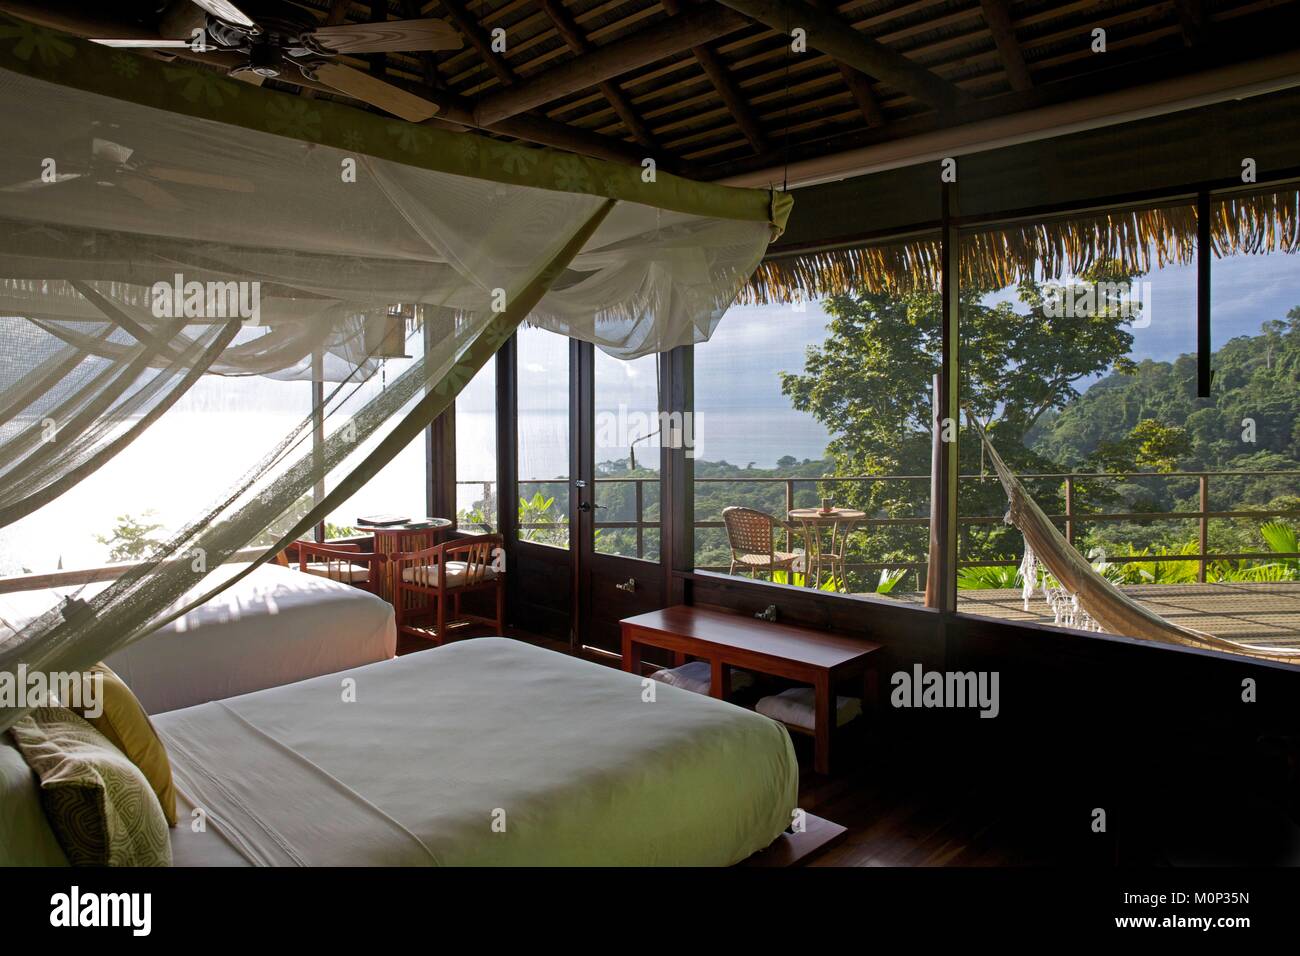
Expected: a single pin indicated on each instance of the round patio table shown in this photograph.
(814, 522)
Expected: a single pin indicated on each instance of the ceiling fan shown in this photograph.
(281, 40)
(110, 164)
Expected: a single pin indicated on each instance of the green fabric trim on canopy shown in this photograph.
(55, 57)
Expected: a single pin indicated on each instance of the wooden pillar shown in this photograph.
(1204, 374)
(440, 455)
(943, 506)
(507, 463)
(1069, 510)
(677, 468)
(1203, 483)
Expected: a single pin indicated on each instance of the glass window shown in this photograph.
(627, 442)
(543, 424)
(476, 452)
(1247, 434)
(1081, 367)
(802, 405)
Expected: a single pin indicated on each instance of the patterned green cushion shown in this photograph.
(98, 802)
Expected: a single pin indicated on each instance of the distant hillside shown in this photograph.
(1257, 378)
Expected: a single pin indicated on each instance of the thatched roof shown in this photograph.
(1138, 239)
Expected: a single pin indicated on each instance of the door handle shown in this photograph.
(587, 506)
(629, 585)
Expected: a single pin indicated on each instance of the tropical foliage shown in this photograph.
(1025, 374)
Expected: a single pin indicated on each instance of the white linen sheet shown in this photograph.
(274, 627)
(483, 752)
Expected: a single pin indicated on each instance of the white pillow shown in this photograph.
(697, 677)
(795, 707)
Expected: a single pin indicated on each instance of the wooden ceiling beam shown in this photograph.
(378, 61)
(412, 10)
(859, 84)
(1191, 19)
(833, 36)
(479, 39)
(997, 14)
(665, 38)
(577, 42)
(725, 86)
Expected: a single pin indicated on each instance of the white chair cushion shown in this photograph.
(428, 576)
(347, 573)
(697, 677)
(795, 707)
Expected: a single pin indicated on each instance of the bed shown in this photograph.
(482, 752)
(274, 627)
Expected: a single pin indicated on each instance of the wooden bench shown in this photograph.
(732, 640)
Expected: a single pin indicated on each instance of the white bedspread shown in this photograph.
(274, 627)
(482, 752)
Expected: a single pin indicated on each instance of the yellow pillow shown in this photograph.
(127, 727)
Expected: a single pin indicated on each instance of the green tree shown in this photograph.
(869, 383)
(1149, 446)
(132, 539)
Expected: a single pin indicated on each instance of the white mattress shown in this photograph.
(440, 744)
(274, 627)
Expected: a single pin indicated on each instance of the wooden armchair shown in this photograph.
(426, 581)
(749, 533)
(342, 562)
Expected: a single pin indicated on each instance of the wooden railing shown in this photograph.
(1069, 520)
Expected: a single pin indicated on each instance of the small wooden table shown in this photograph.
(813, 521)
(733, 640)
(403, 539)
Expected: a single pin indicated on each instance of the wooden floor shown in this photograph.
(1258, 614)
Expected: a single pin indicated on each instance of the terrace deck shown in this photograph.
(1260, 614)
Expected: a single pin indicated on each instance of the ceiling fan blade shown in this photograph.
(227, 11)
(153, 196)
(189, 177)
(33, 184)
(389, 36)
(143, 44)
(368, 89)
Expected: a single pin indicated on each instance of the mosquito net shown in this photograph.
(159, 223)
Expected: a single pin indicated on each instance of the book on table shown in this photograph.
(383, 521)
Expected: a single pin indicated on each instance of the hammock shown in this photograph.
(1085, 598)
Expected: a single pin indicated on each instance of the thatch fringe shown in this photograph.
(1139, 240)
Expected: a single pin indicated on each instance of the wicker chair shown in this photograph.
(346, 563)
(749, 532)
(426, 581)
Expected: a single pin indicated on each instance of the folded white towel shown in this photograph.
(795, 707)
(697, 677)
